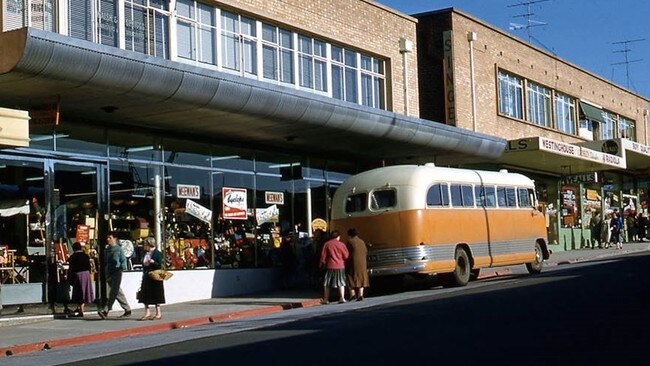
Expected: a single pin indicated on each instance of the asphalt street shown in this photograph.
(590, 313)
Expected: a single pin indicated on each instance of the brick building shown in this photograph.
(218, 127)
(582, 138)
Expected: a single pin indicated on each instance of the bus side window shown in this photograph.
(524, 198)
(456, 195)
(385, 198)
(356, 203)
(479, 193)
(468, 196)
(511, 197)
(490, 197)
(501, 196)
(438, 195)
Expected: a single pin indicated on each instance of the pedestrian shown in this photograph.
(617, 229)
(79, 278)
(333, 257)
(115, 263)
(357, 276)
(641, 225)
(631, 226)
(595, 224)
(606, 231)
(152, 292)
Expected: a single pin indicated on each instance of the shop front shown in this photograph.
(574, 184)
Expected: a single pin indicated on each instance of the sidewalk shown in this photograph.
(17, 335)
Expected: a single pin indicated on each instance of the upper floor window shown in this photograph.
(344, 74)
(565, 113)
(238, 43)
(539, 105)
(312, 59)
(82, 14)
(196, 31)
(608, 128)
(147, 27)
(626, 128)
(40, 14)
(372, 82)
(277, 54)
(510, 95)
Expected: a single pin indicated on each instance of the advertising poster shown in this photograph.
(269, 214)
(234, 203)
(198, 211)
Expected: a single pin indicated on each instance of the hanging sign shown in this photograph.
(274, 198)
(83, 233)
(269, 214)
(234, 203)
(188, 191)
(198, 211)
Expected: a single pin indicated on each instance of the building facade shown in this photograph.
(220, 128)
(582, 138)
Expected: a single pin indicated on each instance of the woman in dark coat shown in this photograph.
(357, 276)
(79, 278)
(152, 292)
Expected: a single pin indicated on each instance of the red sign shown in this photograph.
(234, 203)
(83, 233)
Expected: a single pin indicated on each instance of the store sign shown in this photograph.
(611, 147)
(558, 147)
(188, 191)
(46, 115)
(234, 203)
(448, 65)
(319, 224)
(274, 198)
(636, 147)
(580, 178)
(202, 213)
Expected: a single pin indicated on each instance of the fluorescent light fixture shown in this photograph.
(49, 137)
(32, 179)
(89, 172)
(228, 157)
(2, 166)
(283, 165)
(116, 183)
(139, 148)
(167, 177)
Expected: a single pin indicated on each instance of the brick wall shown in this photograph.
(495, 49)
(359, 24)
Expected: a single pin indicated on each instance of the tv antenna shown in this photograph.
(528, 15)
(625, 51)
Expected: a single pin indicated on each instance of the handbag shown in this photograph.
(160, 275)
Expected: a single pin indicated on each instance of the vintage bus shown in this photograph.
(444, 221)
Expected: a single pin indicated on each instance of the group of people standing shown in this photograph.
(152, 292)
(611, 230)
(344, 265)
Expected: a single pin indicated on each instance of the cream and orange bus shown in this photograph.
(444, 221)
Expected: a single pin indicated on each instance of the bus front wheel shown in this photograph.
(460, 276)
(536, 266)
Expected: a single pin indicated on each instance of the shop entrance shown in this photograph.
(46, 205)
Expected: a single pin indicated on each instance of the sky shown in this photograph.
(582, 32)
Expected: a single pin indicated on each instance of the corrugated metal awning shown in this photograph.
(91, 79)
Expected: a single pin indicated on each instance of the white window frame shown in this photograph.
(538, 104)
(511, 95)
(565, 113)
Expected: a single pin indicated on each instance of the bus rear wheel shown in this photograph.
(460, 276)
(536, 266)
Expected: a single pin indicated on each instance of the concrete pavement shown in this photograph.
(17, 335)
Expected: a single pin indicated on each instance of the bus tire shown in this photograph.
(460, 276)
(536, 266)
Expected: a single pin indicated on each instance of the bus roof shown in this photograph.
(424, 175)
